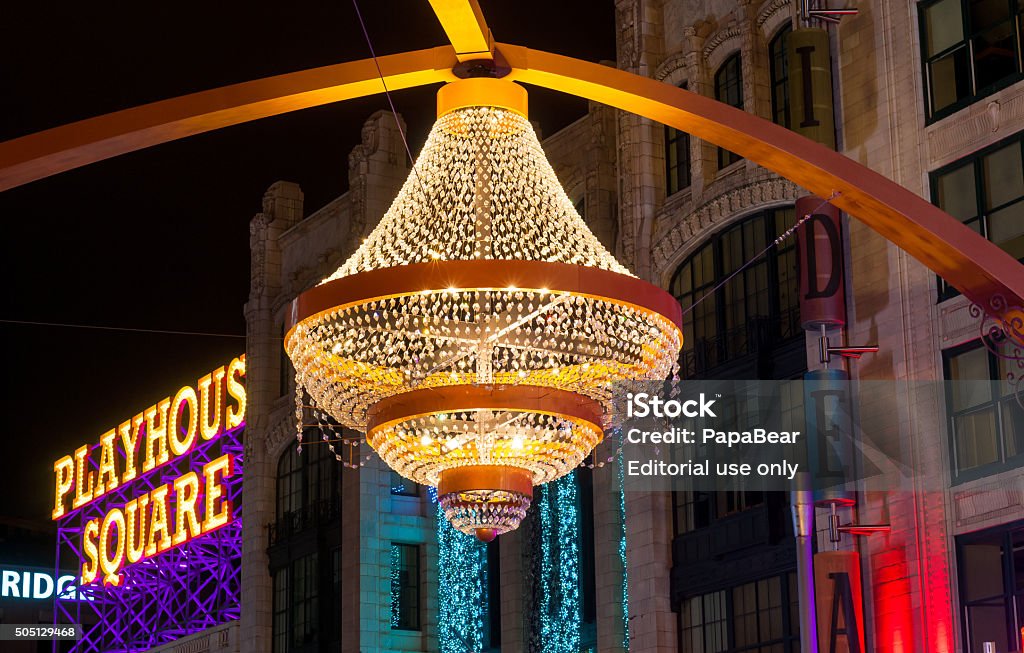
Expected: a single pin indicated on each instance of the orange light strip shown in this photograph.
(485, 274)
(452, 399)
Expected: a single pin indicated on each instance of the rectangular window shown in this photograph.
(986, 422)
(280, 609)
(970, 48)
(991, 568)
(334, 626)
(779, 73)
(305, 601)
(729, 89)
(692, 510)
(985, 191)
(405, 586)
(758, 616)
(677, 159)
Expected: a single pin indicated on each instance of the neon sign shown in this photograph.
(170, 514)
(21, 583)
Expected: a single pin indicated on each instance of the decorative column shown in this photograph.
(282, 208)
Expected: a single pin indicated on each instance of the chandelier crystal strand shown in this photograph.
(476, 333)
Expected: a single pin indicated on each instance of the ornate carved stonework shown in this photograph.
(1001, 331)
(768, 11)
(258, 254)
(669, 67)
(626, 20)
(975, 127)
(627, 226)
(278, 435)
(720, 37)
(712, 215)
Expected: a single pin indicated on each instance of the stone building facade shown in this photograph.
(661, 201)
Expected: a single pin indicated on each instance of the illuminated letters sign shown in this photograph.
(810, 85)
(173, 513)
(840, 610)
(820, 252)
(36, 585)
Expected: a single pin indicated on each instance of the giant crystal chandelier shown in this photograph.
(475, 334)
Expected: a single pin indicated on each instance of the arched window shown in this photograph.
(729, 89)
(308, 485)
(304, 551)
(677, 158)
(752, 312)
(779, 74)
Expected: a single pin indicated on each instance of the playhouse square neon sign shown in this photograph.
(173, 513)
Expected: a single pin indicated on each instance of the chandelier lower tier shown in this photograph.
(475, 335)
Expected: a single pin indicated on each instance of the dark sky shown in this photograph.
(159, 239)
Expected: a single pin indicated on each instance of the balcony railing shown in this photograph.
(759, 334)
(306, 518)
(744, 529)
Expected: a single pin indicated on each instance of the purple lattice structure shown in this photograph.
(181, 591)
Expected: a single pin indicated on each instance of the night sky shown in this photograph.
(159, 239)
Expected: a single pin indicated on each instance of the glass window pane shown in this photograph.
(707, 266)
(957, 194)
(995, 57)
(780, 77)
(966, 367)
(944, 25)
(405, 587)
(976, 439)
(1002, 177)
(1006, 229)
(950, 78)
(986, 13)
(1013, 428)
(983, 569)
(988, 624)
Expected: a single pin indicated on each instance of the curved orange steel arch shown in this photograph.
(983, 272)
(976, 266)
(46, 153)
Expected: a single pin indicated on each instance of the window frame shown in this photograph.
(727, 158)
(779, 40)
(316, 471)
(1013, 599)
(996, 401)
(679, 141)
(280, 603)
(1016, 17)
(415, 624)
(976, 161)
(788, 603)
(776, 315)
(308, 604)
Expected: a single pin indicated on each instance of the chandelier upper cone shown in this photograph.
(475, 333)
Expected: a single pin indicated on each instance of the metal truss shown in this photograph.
(181, 591)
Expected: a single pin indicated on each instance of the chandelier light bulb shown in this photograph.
(481, 313)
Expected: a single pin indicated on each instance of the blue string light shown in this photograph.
(462, 578)
(621, 468)
(558, 589)
(396, 587)
(462, 568)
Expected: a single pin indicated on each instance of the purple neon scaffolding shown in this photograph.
(181, 591)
